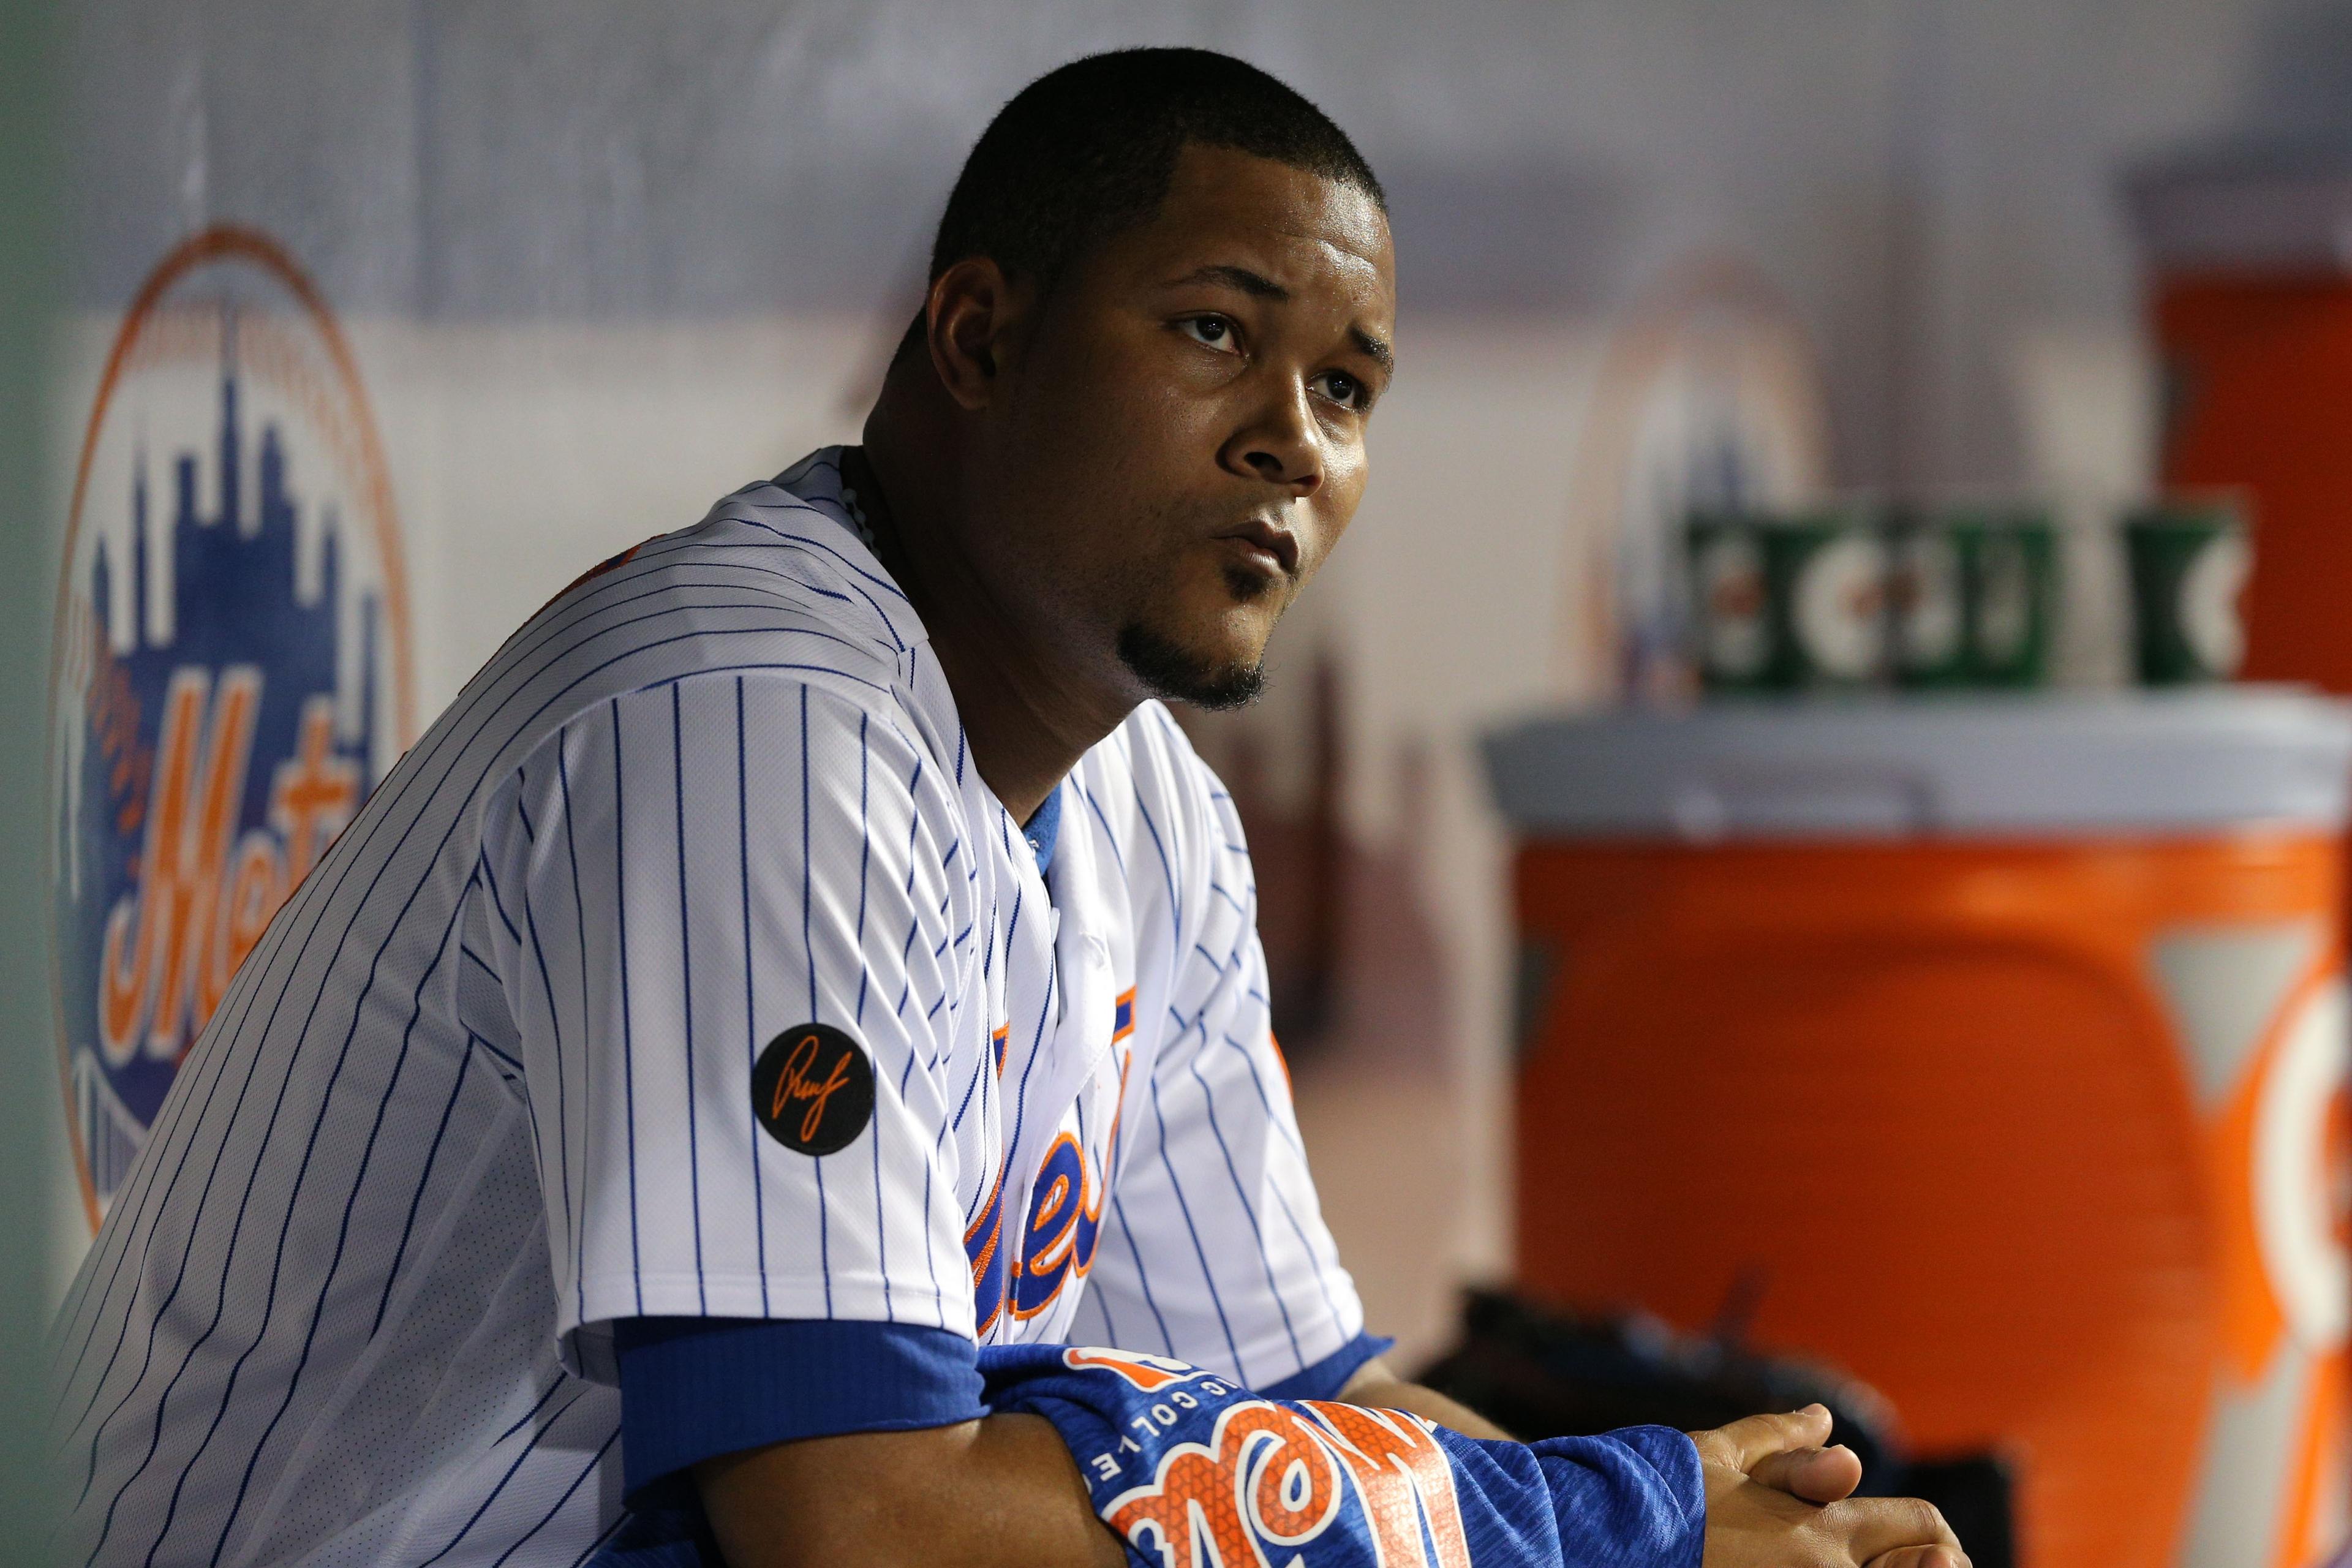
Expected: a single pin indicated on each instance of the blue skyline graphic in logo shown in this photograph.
(213, 774)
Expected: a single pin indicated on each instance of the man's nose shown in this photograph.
(1282, 446)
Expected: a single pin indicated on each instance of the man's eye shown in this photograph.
(1210, 331)
(1344, 389)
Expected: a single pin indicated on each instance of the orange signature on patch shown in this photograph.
(793, 1087)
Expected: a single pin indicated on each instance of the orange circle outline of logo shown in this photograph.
(219, 242)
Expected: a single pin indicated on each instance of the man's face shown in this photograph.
(1180, 440)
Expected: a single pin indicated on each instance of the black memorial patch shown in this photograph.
(813, 1089)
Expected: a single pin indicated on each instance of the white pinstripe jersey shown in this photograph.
(485, 1086)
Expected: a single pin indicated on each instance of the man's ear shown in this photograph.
(970, 321)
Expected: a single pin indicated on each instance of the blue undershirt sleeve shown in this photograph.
(694, 1388)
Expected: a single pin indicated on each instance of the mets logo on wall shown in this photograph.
(231, 669)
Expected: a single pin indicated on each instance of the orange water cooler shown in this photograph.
(2003, 1045)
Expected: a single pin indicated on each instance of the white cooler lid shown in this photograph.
(2046, 765)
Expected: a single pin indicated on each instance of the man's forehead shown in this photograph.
(1226, 209)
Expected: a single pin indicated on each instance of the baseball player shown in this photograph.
(780, 1073)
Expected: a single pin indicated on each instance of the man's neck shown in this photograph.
(1027, 716)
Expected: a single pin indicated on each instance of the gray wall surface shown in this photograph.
(32, 1168)
(1918, 176)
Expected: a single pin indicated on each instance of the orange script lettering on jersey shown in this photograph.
(1265, 1475)
(795, 1088)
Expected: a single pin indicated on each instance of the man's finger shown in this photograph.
(1921, 1557)
(1816, 1475)
(1744, 1444)
(1874, 1527)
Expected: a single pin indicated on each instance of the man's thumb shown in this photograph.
(1746, 1443)
(1816, 1475)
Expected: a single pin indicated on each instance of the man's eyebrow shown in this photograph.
(1377, 348)
(1256, 284)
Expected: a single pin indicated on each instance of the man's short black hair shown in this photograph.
(1089, 150)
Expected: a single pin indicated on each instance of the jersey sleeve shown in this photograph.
(1187, 1467)
(1217, 1254)
(724, 916)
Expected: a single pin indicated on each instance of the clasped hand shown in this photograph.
(1777, 1498)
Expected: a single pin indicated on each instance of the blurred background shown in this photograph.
(1805, 810)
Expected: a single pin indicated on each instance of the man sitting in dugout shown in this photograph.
(805, 989)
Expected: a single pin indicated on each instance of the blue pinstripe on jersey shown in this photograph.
(686, 987)
(554, 1029)
(808, 905)
(628, 1022)
(750, 990)
(416, 1200)
(506, 1476)
(574, 1237)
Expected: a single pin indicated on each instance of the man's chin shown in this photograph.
(1248, 587)
(1174, 673)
